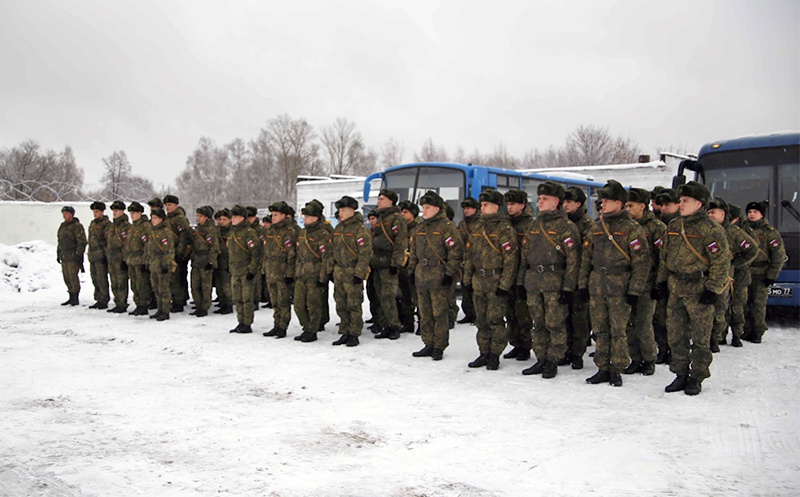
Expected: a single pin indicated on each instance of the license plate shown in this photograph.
(779, 291)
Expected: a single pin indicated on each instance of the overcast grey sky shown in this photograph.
(152, 77)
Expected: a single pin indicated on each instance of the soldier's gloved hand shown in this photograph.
(250, 276)
(660, 291)
(357, 280)
(209, 266)
(707, 297)
(768, 283)
(565, 297)
(164, 269)
(583, 295)
(632, 300)
(124, 266)
(393, 270)
(447, 280)
(288, 280)
(322, 284)
(500, 292)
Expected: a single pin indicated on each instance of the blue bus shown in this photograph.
(455, 182)
(752, 169)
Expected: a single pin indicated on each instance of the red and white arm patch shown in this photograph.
(569, 242)
(287, 243)
(164, 241)
(659, 243)
(395, 229)
(775, 243)
(449, 241)
(636, 245)
(251, 243)
(745, 244)
(713, 248)
(323, 248)
(507, 246)
(360, 241)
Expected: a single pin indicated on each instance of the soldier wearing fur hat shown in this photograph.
(243, 250)
(466, 227)
(348, 268)
(764, 269)
(407, 301)
(548, 272)
(668, 203)
(98, 263)
(261, 231)
(518, 316)
(117, 266)
(389, 245)
(136, 256)
(614, 270)
(205, 253)
(69, 252)
(372, 293)
(222, 275)
(266, 223)
(326, 225)
(179, 224)
(280, 255)
(695, 261)
(491, 270)
(311, 271)
(578, 320)
(161, 251)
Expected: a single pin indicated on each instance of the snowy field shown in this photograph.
(97, 404)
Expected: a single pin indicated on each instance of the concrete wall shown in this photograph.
(26, 221)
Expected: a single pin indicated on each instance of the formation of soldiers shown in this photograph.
(660, 286)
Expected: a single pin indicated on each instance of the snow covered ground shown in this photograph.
(96, 404)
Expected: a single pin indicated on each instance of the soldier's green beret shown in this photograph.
(695, 190)
(390, 194)
(410, 207)
(613, 190)
(68, 208)
(639, 195)
(239, 210)
(312, 209)
(347, 202)
(171, 199)
(281, 207)
(97, 206)
(222, 213)
(575, 194)
(492, 196)
(158, 212)
(734, 211)
(516, 196)
(719, 203)
(206, 210)
(155, 202)
(550, 188)
(373, 213)
(758, 206)
(135, 207)
(470, 202)
(117, 205)
(432, 198)
(448, 211)
(667, 196)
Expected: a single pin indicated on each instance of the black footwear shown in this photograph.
(139, 311)
(176, 308)
(714, 346)
(600, 376)
(693, 386)
(723, 340)
(480, 362)
(467, 320)
(163, 317)
(236, 330)
(513, 353)
(300, 336)
(648, 368)
(591, 354)
(342, 340)
(633, 367)
(193, 313)
(152, 305)
(437, 354)
(535, 369)
(280, 333)
(736, 341)
(678, 384)
(245, 328)
(550, 369)
(352, 341)
(68, 301)
(370, 320)
(615, 379)
(101, 305)
(156, 315)
(201, 313)
(118, 309)
(310, 337)
(321, 328)
(577, 362)
(524, 355)
(375, 328)
(407, 328)
(564, 361)
(270, 333)
(663, 356)
(389, 332)
(94, 306)
(426, 351)
(74, 300)
(493, 362)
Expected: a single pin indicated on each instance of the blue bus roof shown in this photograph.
(497, 170)
(779, 139)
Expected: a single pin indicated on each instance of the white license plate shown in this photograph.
(779, 291)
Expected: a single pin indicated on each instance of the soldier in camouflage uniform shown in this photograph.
(742, 277)
(136, 256)
(407, 298)
(372, 292)
(389, 247)
(614, 269)
(98, 264)
(548, 272)
(348, 268)
(668, 202)
(243, 257)
(743, 250)
(117, 266)
(266, 223)
(205, 252)
(161, 257)
(280, 257)
(452, 313)
(518, 315)
(261, 232)
(326, 315)
(641, 338)
(434, 264)
(311, 271)
(222, 275)
(176, 219)
(69, 253)
(491, 271)
(578, 327)
(695, 261)
(465, 228)
(764, 269)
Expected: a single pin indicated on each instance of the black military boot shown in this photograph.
(467, 320)
(600, 376)
(311, 336)
(714, 346)
(633, 367)
(693, 386)
(271, 333)
(437, 354)
(245, 328)
(156, 315)
(69, 300)
(736, 341)
(352, 341)
(118, 309)
(451, 324)
(236, 330)
(280, 333)
(513, 353)
(300, 337)
(342, 340)
(493, 362)
(74, 299)
(201, 313)
(163, 317)
(152, 305)
(176, 308)
(370, 320)
(648, 368)
(389, 332)
(678, 384)
(550, 369)
(93, 306)
(425, 351)
(537, 368)
(615, 379)
(723, 340)
(524, 355)
(663, 356)
(407, 328)
(101, 305)
(480, 362)
(564, 360)
(577, 362)
(375, 328)
(141, 310)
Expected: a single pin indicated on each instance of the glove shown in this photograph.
(164, 269)
(208, 266)
(632, 300)
(583, 295)
(768, 283)
(447, 280)
(393, 270)
(522, 293)
(250, 276)
(322, 284)
(565, 297)
(500, 292)
(707, 297)
(357, 280)
(330, 277)
(288, 280)
(124, 266)
(660, 291)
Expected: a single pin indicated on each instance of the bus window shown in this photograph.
(788, 186)
(530, 185)
(740, 184)
(401, 181)
(506, 183)
(450, 184)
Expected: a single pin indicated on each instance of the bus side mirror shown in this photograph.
(678, 180)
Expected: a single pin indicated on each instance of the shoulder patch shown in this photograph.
(449, 241)
(713, 248)
(251, 243)
(287, 243)
(164, 241)
(659, 243)
(569, 242)
(395, 229)
(775, 243)
(636, 244)
(360, 241)
(507, 246)
(745, 244)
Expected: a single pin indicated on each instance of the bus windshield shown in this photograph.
(412, 182)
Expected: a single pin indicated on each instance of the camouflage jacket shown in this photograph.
(280, 251)
(771, 251)
(71, 241)
(98, 238)
(352, 247)
(135, 251)
(116, 239)
(616, 263)
(744, 250)
(390, 239)
(180, 227)
(491, 260)
(205, 245)
(243, 250)
(467, 225)
(437, 250)
(313, 250)
(223, 260)
(261, 233)
(708, 256)
(161, 249)
(581, 220)
(654, 231)
(550, 254)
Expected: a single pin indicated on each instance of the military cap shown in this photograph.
(289, 210)
(171, 199)
(492, 196)
(155, 202)
(158, 212)
(759, 206)
(470, 202)
(448, 211)
(347, 202)
(97, 206)
(222, 213)
(667, 196)
(734, 211)
(373, 213)
(697, 191)
(239, 210)
(598, 204)
(135, 207)
(719, 203)
(432, 198)
(266, 219)
(117, 205)
(639, 195)
(390, 194)
(281, 207)
(409, 206)
(312, 209)
(318, 204)
(655, 191)
(206, 210)
(68, 208)
(613, 190)
(575, 194)
(550, 188)
(251, 211)
(516, 196)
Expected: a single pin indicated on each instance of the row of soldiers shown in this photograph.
(538, 283)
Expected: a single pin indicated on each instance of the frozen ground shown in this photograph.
(95, 404)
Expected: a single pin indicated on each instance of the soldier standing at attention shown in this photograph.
(614, 269)
(243, 250)
(742, 278)
(222, 275)
(136, 256)
(407, 299)
(668, 203)
(280, 257)
(205, 252)
(434, 263)
(261, 232)
(578, 320)
(326, 315)
(266, 223)
(161, 251)
(518, 315)
(98, 263)
(311, 271)
(176, 219)
(465, 228)
(372, 293)
(69, 253)
(765, 269)
(117, 266)
(388, 251)
(695, 261)
(491, 271)
(348, 268)
(548, 272)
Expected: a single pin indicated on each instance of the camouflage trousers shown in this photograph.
(719, 329)
(737, 309)
(242, 296)
(201, 287)
(757, 316)
(119, 283)
(140, 285)
(520, 324)
(69, 270)
(326, 312)
(492, 336)
(578, 328)
(610, 316)
(162, 288)
(372, 297)
(467, 302)
(660, 325)
(222, 281)
(99, 272)
(348, 297)
(386, 287)
(179, 283)
(689, 326)
(259, 283)
(309, 300)
(452, 304)
(434, 316)
(280, 293)
(549, 338)
(407, 300)
(641, 339)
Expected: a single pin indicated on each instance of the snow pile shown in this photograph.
(27, 267)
